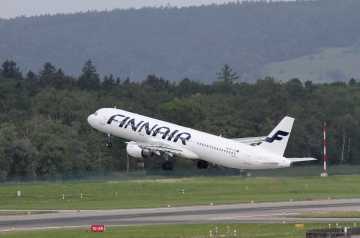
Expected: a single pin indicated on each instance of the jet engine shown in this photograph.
(202, 164)
(136, 152)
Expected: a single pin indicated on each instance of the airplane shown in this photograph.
(151, 137)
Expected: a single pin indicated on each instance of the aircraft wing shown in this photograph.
(250, 140)
(160, 148)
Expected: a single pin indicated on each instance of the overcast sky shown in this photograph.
(13, 8)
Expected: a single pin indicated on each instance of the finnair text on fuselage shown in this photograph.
(151, 130)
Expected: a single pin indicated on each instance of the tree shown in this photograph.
(294, 88)
(156, 83)
(23, 155)
(31, 76)
(309, 85)
(227, 75)
(108, 82)
(8, 135)
(10, 70)
(183, 111)
(61, 149)
(47, 74)
(187, 87)
(352, 82)
(89, 79)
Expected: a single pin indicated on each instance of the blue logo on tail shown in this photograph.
(277, 136)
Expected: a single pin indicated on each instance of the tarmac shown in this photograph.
(276, 212)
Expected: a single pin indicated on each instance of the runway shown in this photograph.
(279, 212)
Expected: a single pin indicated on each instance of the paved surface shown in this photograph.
(279, 212)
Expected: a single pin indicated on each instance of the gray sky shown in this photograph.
(13, 8)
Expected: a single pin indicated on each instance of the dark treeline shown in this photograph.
(44, 132)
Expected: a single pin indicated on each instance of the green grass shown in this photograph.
(20, 213)
(164, 192)
(183, 231)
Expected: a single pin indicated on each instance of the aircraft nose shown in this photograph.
(91, 120)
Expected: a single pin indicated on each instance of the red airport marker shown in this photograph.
(97, 228)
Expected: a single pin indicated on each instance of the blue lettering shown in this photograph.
(163, 131)
(183, 137)
(133, 126)
(147, 128)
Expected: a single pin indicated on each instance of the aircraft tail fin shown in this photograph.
(277, 140)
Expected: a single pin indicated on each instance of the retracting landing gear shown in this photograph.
(108, 141)
(202, 164)
(168, 165)
(245, 173)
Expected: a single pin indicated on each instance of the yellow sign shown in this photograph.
(299, 226)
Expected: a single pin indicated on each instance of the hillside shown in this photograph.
(182, 42)
(332, 64)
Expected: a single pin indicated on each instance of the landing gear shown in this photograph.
(167, 165)
(202, 164)
(108, 141)
(245, 173)
(146, 153)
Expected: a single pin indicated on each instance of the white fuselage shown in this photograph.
(195, 144)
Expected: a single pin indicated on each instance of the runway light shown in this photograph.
(97, 228)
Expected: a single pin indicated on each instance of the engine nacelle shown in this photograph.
(202, 164)
(136, 152)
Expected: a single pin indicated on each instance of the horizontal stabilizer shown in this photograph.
(295, 160)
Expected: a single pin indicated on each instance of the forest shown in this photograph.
(188, 42)
(44, 132)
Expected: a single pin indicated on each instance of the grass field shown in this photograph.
(174, 192)
(20, 213)
(183, 231)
